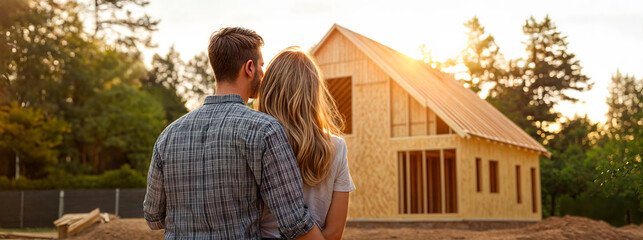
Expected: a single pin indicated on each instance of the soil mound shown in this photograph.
(570, 227)
(129, 228)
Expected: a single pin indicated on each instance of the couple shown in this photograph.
(225, 171)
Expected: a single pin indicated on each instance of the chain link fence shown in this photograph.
(39, 208)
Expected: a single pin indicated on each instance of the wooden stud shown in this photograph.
(442, 182)
(400, 171)
(426, 182)
(408, 182)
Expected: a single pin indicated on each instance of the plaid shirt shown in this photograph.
(213, 170)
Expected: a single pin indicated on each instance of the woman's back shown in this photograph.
(318, 197)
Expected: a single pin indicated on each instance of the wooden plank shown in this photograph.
(69, 217)
(63, 231)
(432, 178)
(408, 182)
(417, 118)
(91, 218)
(425, 185)
(450, 180)
(408, 115)
(390, 108)
(399, 111)
(442, 182)
(400, 171)
(23, 235)
(417, 164)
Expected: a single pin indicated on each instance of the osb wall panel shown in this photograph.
(432, 118)
(337, 49)
(399, 110)
(504, 204)
(418, 118)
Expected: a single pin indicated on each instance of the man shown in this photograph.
(213, 169)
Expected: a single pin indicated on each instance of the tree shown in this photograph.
(620, 157)
(31, 136)
(115, 22)
(200, 80)
(40, 39)
(549, 74)
(481, 56)
(568, 172)
(427, 58)
(164, 83)
(624, 101)
(122, 118)
(51, 64)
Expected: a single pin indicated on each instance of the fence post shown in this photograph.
(116, 202)
(17, 166)
(61, 203)
(22, 209)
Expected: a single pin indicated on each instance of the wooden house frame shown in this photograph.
(420, 145)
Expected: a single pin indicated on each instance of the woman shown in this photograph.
(294, 92)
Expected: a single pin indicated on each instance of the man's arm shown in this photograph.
(154, 203)
(281, 187)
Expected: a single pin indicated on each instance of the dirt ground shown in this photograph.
(567, 227)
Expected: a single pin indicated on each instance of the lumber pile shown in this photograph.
(72, 223)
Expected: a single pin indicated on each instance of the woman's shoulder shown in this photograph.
(338, 141)
(340, 149)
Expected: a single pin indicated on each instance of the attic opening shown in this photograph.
(342, 91)
(410, 118)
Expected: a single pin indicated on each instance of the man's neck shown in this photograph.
(226, 89)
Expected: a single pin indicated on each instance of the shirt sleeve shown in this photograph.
(281, 185)
(154, 203)
(343, 180)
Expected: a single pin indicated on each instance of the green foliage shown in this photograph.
(199, 77)
(124, 118)
(569, 172)
(40, 40)
(620, 156)
(31, 135)
(52, 64)
(163, 82)
(616, 210)
(125, 177)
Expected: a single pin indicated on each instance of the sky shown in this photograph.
(604, 35)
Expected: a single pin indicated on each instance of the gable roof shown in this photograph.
(464, 111)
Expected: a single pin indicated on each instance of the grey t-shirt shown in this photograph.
(318, 198)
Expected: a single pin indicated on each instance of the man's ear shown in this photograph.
(249, 68)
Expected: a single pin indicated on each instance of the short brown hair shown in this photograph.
(230, 48)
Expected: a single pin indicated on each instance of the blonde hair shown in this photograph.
(294, 92)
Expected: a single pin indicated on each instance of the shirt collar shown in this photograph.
(230, 98)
